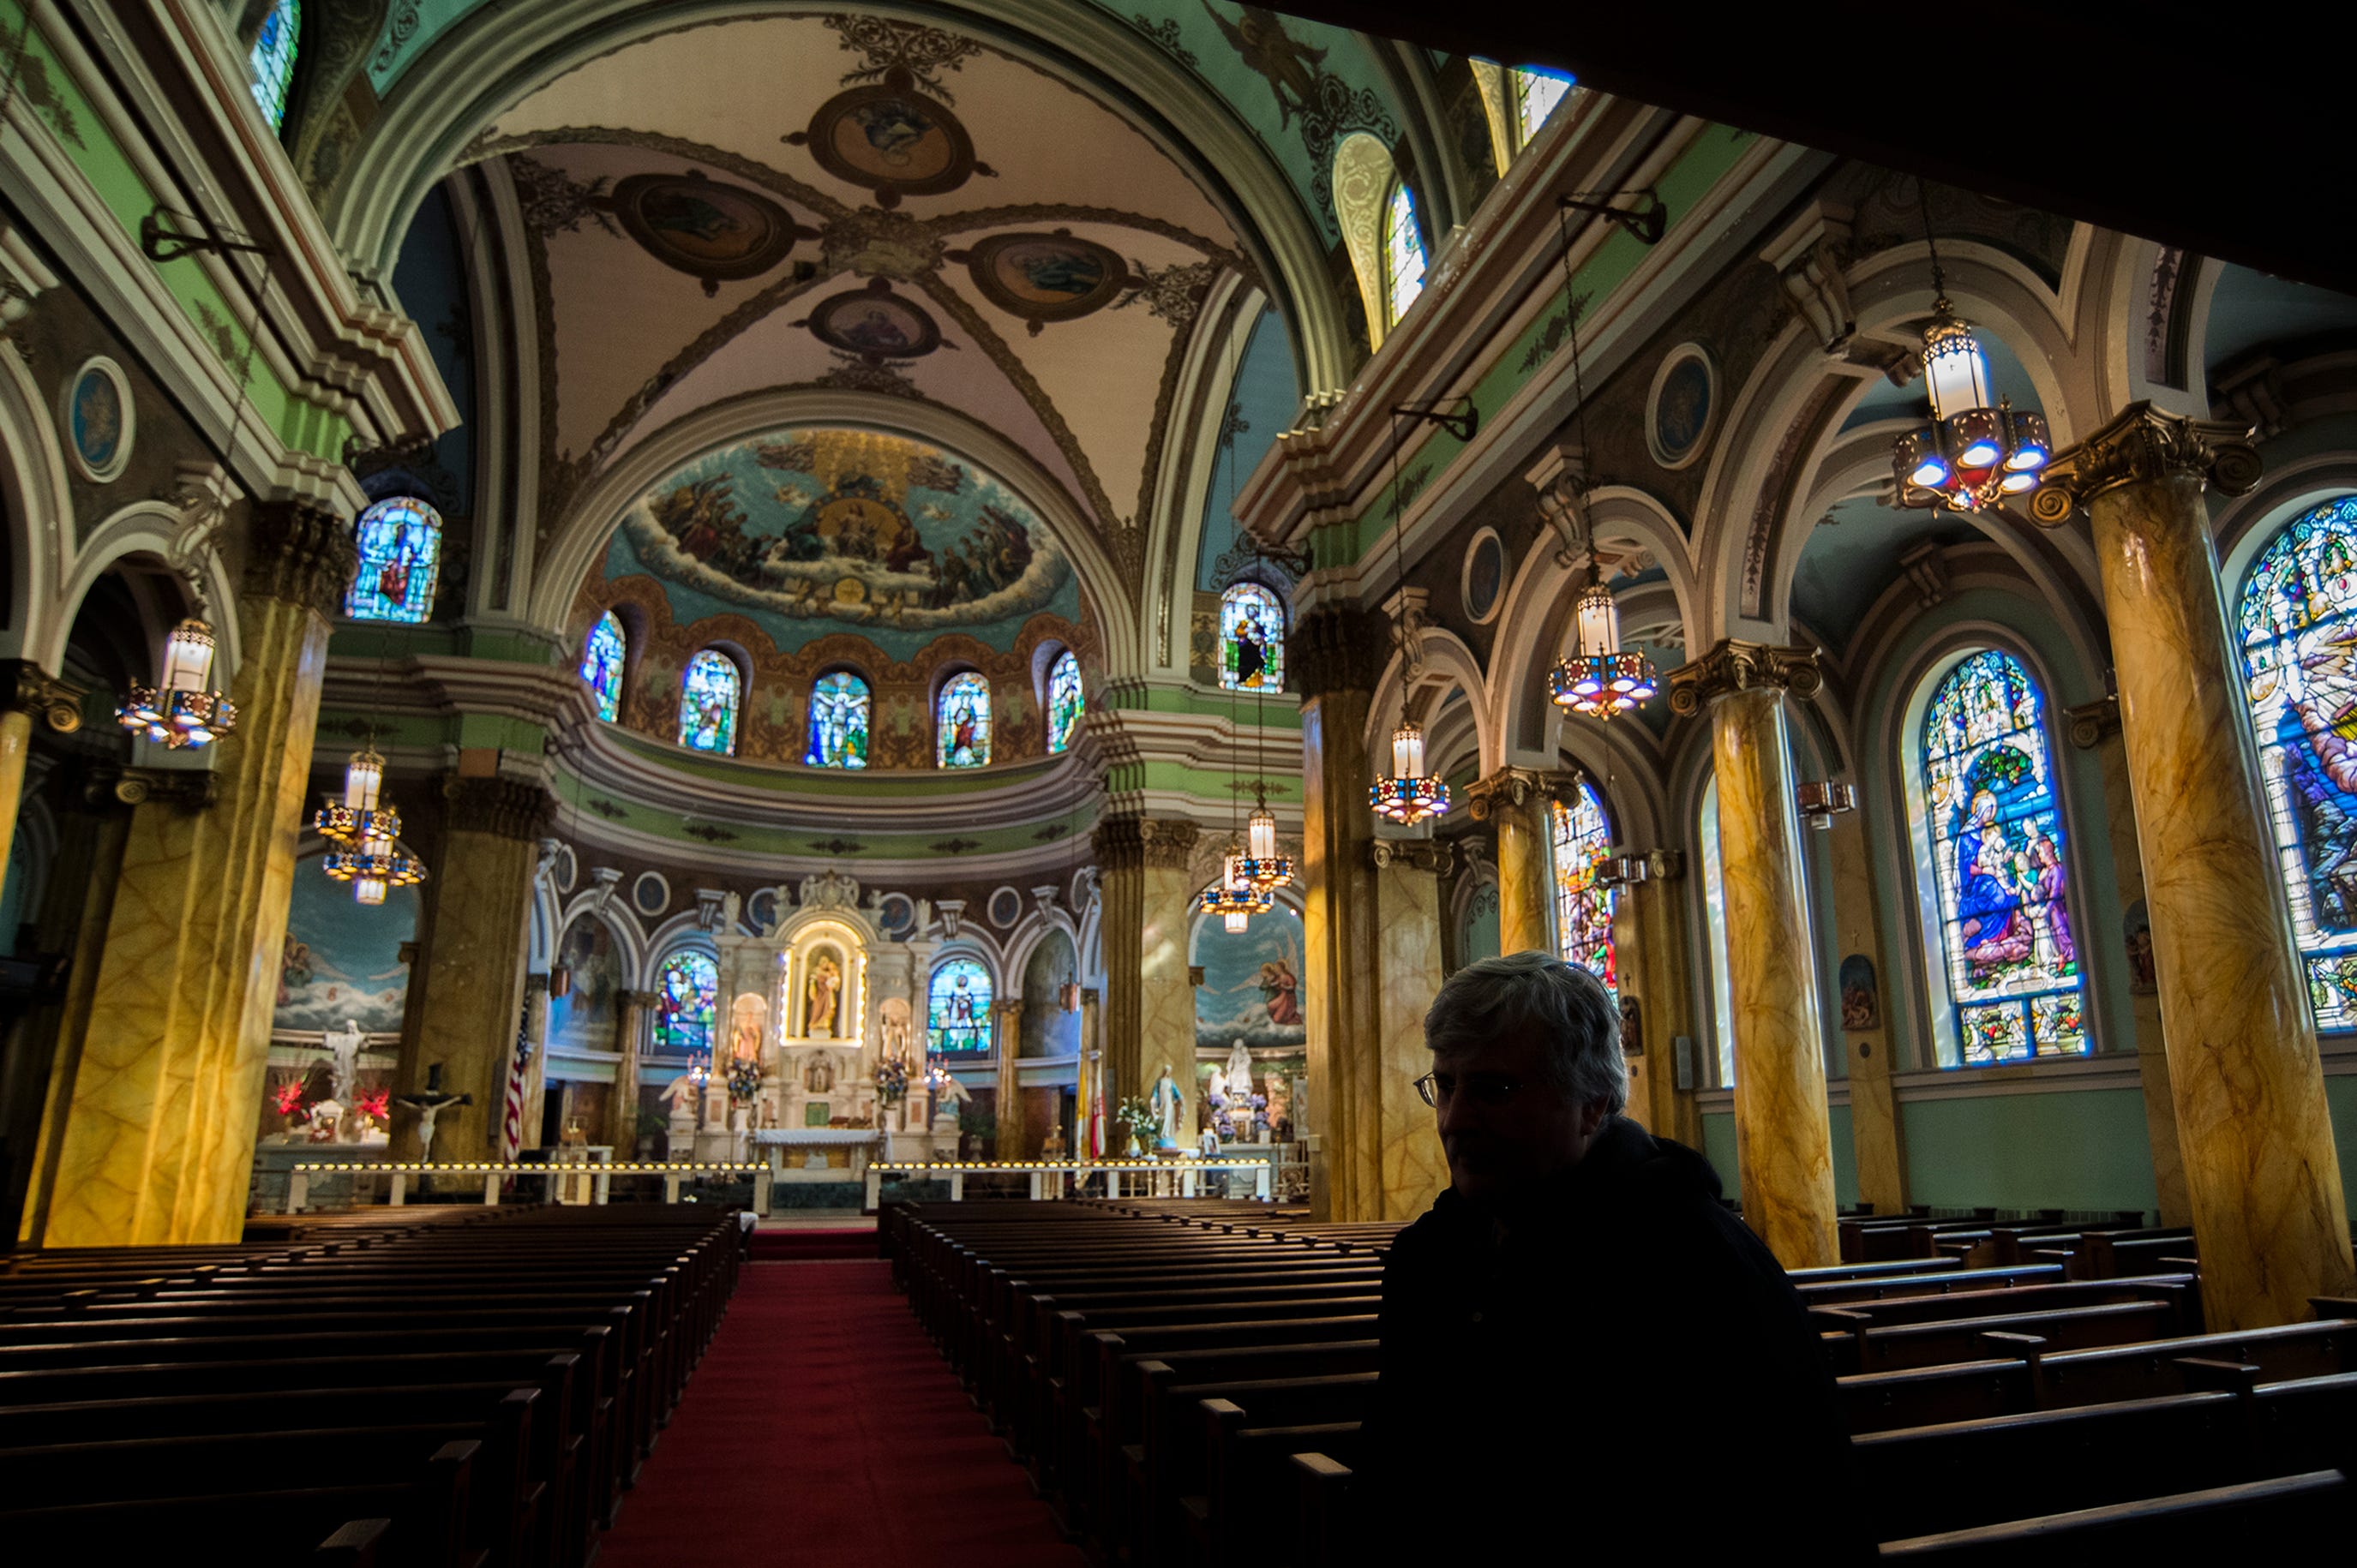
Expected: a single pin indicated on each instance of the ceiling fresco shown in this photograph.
(812, 531)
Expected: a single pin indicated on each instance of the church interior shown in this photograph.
(651, 653)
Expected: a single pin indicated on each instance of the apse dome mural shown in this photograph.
(856, 527)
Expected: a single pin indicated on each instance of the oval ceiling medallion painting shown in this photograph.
(1683, 402)
(720, 233)
(97, 414)
(875, 324)
(891, 138)
(1045, 277)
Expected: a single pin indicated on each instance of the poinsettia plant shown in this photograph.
(376, 1105)
(288, 1098)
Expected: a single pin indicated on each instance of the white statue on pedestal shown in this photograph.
(1170, 1106)
(1240, 1071)
(344, 1050)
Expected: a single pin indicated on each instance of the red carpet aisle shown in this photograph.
(823, 1428)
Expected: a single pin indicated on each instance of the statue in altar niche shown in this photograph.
(747, 1018)
(1169, 1107)
(344, 1050)
(819, 1076)
(1240, 1071)
(821, 995)
(897, 1035)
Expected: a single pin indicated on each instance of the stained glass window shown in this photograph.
(838, 721)
(957, 1012)
(1064, 701)
(1713, 908)
(2299, 633)
(686, 989)
(709, 691)
(1583, 906)
(603, 653)
(1252, 640)
(2011, 963)
(1402, 253)
(272, 58)
(401, 554)
(963, 729)
(1536, 94)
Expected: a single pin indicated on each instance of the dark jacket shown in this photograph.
(1616, 1363)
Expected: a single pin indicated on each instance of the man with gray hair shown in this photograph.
(1579, 1338)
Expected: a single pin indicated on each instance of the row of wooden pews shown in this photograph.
(462, 1388)
(1175, 1374)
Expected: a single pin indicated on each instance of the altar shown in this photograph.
(793, 1150)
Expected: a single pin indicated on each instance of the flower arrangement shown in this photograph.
(288, 1099)
(891, 1080)
(743, 1081)
(376, 1106)
(1138, 1121)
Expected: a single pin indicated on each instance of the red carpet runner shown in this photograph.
(822, 1427)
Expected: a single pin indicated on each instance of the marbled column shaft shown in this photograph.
(535, 1072)
(481, 902)
(1013, 1142)
(1092, 1065)
(1515, 802)
(1339, 942)
(2262, 1178)
(167, 1096)
(1149, 1008)
(632, 1011)
(1406, 976)
(1779, 1074)
(1873, 1106)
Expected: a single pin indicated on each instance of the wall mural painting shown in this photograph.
(709, 231)
(1252, 985)
(957, 1010)
(1040, 278)
(1583, 906)
(2300, 656)
(585, 1015)
(1861, 1001)
(839, 708)
(2013, 970)
(850, 527)
(687, 988)
(342, 967)
(874, 325)
(964, 725)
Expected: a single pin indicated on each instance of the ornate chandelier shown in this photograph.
(1602, 679)
(1410, 794)
(1971, 455)
(1262, 865)
(1234, 898)
(181, 710)
(361, 814)
(373, 866)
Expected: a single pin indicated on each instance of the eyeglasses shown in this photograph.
(1482, 1087)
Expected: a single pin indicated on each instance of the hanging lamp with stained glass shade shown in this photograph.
(374, 865)
(1262, 864)
(1410, 795)
(363, 813)
(1234, 898)
(1978, 451)
(1603, 680)
(183, 709)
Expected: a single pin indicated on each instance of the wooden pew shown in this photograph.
(2213, 1523)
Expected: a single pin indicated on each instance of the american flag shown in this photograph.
(512, 1118)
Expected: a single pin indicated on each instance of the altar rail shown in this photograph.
(1158, 1178)
(578, 1182)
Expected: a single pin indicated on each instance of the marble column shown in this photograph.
(1873, 1106)
(634, 1011)
(27, 693)
(1783, 1134)
(2262, 1178)
(1651, 953)
(1090, 1069)
(1147, 901)
(1411, 1166)
(167, 1099)
(1334, 651)
(1006, 1035)
(481, 897)
(1513, 800)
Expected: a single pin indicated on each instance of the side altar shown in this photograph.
(819, 1001)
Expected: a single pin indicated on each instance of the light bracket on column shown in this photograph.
(1823, 799)
(1622, 868)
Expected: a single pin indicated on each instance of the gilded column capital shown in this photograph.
(1736, 665)
(1508, 786)
(26, 688)
(2089, 723)
(302, 553)
(1337, 648)
(504, 808)
(2142, 444)
(1169, 842)
(191, 788)
(1420, 854)
(1119, 843)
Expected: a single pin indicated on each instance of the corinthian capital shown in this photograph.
(301, 553)
(1739, 666)
(2145, 443)
(1509, 786)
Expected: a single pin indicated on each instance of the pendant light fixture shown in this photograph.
(364, 828)
(183, 709)
(1603, 680)
(1973, 457)
(1410, 795)
(1263, 865)
(1235, 898)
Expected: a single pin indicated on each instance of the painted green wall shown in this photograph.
(2341, 1095)
(2083, 1149)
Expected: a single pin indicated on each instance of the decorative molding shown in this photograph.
(2146, 444)
(1511, 787)
(1419, 854)
(2253, 392)
(2089, 723)
(303, 554)
(1169, 842)
(503, 808)
(1736, 665)
(26, 688)
(190, 788)
(1809, 257)
(1926, 566)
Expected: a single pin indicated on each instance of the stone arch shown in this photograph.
(146, 535)
(39, 519)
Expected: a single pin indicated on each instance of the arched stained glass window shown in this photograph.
(957, 1010)
(1536, 95)
(710, 690)
(687, 988)
(401, 554)
(2299, 630)
(838, 721)
(1583, 906)
(2008, 959)
(1064, 701)
(603, 653)
(272, 59)
(962, 738)
(1402, 253)
(1252, 640)
(1713, 908)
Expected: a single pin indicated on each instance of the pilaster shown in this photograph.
(634, 1010)
(28, 695)
(1411, 1167)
